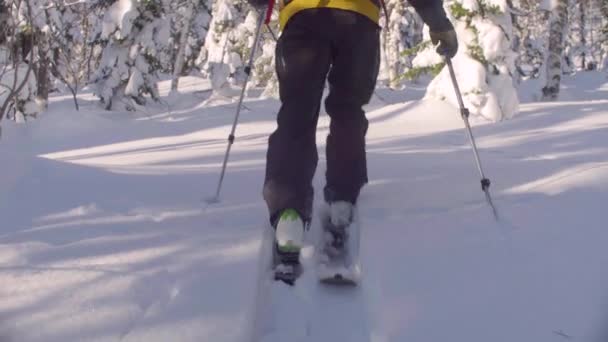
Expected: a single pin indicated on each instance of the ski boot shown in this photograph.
(289, 240)
(338, 263)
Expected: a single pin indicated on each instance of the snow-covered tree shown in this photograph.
(529, 37)
(17, 59)
(228, 47)
(134, 33)
(558, 24)
(264, 70)
(190, 21)
(226, 44)
(404, 32)
(582, 50)
(484, 64)
(264, 74)
(69, 32)
(37, 27)
(602, 6)
(186, 23)
(595, 20)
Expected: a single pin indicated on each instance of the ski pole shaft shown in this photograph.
(464, 112)
(231, 137)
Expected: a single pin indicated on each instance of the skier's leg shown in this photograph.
(352, 79)
(302, 62)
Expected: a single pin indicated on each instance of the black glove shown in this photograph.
(448, 42)
(442, 30)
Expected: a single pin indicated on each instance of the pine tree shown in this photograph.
(404, 31)
(264, 74)
(264, 69)
(227, 43)
(69, 32)
(190, 24)
(133, 35)
(594, 41)
(529, 35)
(578, 51)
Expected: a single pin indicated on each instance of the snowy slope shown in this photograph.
(105, 235)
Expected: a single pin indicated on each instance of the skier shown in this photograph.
(337, 41)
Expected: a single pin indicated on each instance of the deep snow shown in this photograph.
(105, 235)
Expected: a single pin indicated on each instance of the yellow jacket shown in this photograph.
(364, 7)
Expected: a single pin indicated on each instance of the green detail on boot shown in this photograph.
(289, 215)
(289, 232)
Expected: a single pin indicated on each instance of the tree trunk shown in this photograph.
(582, 4)
(394, 38)
(183, 40)
(75, 97)
(603, 5)
(42, 70)
(516, 26)
(558, 23)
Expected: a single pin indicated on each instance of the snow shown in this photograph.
(117, 20)
(105, 235)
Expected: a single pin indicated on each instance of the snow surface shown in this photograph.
(104, 234)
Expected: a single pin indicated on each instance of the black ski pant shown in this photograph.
(316, 45)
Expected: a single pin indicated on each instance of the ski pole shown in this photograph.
(464, 112)
(231, 137)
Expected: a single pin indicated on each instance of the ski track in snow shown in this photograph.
(104, 235)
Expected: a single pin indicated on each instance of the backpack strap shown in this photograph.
(383, 4)
(269, 10)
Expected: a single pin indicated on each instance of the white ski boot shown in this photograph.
(289, 240)
(339, 250)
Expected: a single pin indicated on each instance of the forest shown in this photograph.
(120, 49)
